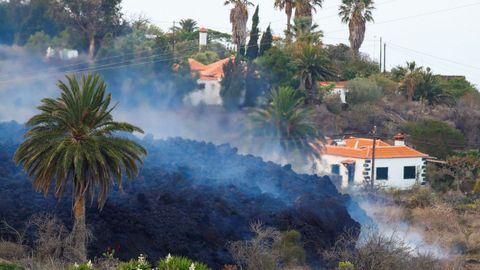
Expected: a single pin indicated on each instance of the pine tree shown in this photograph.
(252, 49)
(253, 86)
(233, 85)
(266, 42)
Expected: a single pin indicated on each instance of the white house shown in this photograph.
(210, 76)
(396, 165)
(339, 88)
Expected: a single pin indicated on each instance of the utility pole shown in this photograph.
(385, 58)
(381, 54)
(374, 132)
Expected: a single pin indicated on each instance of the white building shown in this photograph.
(396, 165)
(339, 88)
(210, 76)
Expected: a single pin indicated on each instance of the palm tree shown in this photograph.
(238, 19)
(410, 76)
(312, 66)
(72, 144)
(288, 6)
(188, 25)
(356, 13)
(305, 8)
(286, 120)
(306, 33)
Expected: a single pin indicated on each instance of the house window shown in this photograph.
(409, 172)
(201, 86)
(382, 173)
(336, 169)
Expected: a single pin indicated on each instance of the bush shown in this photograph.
(333, 103)
(289, 248)
(345, 266)
(9, 266)
(363, 91)
(422, 198)
(180, 263)
(10, 250)
(439, 180)
(139, 264)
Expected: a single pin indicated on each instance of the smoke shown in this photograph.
(149, 101)
(389, 220)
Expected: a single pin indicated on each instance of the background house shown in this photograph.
(210, 76)
(339, 88)
(396, 165)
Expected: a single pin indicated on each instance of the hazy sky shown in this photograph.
(441, 34)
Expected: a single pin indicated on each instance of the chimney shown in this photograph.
(203, 37)
(399, 139)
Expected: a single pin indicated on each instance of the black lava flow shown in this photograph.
(191, 199)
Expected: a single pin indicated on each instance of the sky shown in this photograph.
(441, 34)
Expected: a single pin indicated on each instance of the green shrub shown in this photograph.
(476, 188)
(180, 263)
(289, 248)
(139, 264)
(9, 266)
(363, 91)
(421, 198)
(439, 179)
(83, 266)
(345, 266)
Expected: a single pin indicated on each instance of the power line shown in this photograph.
(436, 57)
(417, 15)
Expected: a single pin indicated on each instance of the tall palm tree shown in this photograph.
(312, 66)
(188, 25)
(286, 120)
(305, 8)
(238, 19)
(356, 13)
(288, 6)
(72, 144)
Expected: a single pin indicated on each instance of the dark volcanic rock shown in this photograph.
(191, 199)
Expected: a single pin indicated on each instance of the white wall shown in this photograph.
(342, 93)
(395, 170)
(326, 161)
(208, 96)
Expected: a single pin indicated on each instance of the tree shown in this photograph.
(305, 8)
(266, 41)
(288, 6)
(435, 138)
(188, 25)
(252, 49)
(233, 85)
(306, 33)
(286, 121)
(277, 68)
(73, 143)
(410, 75)
(94, 18)
(312, 66)
(356, 13)
(238, 19)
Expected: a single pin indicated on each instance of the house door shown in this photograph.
(351, 173)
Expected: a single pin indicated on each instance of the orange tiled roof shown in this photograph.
(212, 72)
(195, 65)
(360, 148)
(337, 84)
